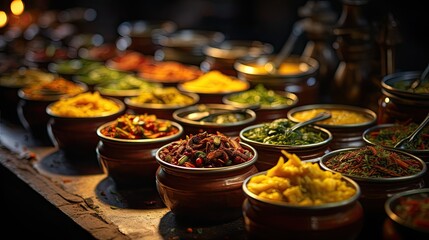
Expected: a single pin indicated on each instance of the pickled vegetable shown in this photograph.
(143, 126)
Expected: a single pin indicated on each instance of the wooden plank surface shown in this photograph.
(81, 190)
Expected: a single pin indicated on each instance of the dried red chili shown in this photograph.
(206, 150)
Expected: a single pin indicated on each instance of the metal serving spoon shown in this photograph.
(319, 117)
(273, 66)
(402, 144)
(419, 80)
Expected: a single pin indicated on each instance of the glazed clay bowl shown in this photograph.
(229, 124)
(347, 123)
(400, 103)
(296, 74)
(185, 45)
(204, 195)
(269, 153)
(74, 130)
(407, 215)
(270, 105)
(388, 134)
(131, 162)
(11, 82)
(273, 218)
(34, 100)
(138, 35)
(375, 184)
(222, 56)
(161, 102)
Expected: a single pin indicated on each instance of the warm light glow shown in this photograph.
(17, 7)
(386, 100)
(3, 18)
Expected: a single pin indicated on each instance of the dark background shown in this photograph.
(265, 20)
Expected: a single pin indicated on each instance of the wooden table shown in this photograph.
(47, 195)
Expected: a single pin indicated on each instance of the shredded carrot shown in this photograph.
(373, 150)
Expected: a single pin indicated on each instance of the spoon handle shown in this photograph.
(419, 128)
(287, 48)
(411, 137)
(318, 117)
(419, 80)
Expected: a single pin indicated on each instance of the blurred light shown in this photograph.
(3, 18)
(90, 14)
(387, 100)
(17, 7)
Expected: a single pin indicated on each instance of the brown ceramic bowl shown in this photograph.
(185, 45)
(265, 111)
(163, 109)
(403, 210)
(75, 133)
(296, 74)
(271, 219)
(347, 123)
(377, 188)
(138, 35)
(237, 121)
(222, 56)
(204, 195)
(379, 135)
(269, 153)
(399, 103)
(34, 100)
(11, 82)
(131, 162)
